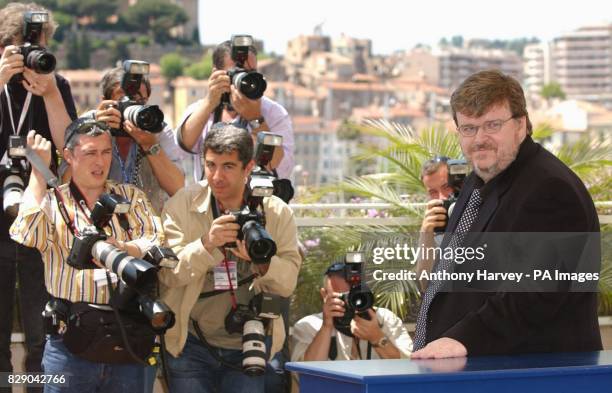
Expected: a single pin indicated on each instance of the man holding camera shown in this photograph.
(140, 157)
(377, 334)
(209, 289)
(48, 220)
(441, 189)
(260, 114)
(29, 90)
(517, 187)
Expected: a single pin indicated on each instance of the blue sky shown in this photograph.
(395, 25)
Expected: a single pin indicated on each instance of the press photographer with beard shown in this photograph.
(206, 351)
(26, 99)
(48, 221)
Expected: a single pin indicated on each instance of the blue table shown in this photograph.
(579, 372)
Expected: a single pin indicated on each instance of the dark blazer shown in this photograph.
(536, 193)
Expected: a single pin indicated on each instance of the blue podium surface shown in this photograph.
(577, 372)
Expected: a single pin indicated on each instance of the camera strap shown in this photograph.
(24, 110)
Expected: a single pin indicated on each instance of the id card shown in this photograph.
(221, 276)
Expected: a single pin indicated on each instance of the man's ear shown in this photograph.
(68, 155)
(249, 167)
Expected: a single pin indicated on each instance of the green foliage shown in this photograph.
(552, 90)
(200, 70)
(172, 65)
(64, 22)
(119, 50)
(155, 17)
(78, 51)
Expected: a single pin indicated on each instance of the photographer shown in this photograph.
(26, 97)
(434, 176)
(139, 157)
(199, 290)
(316, 337)
(48, 221)
(262, 114)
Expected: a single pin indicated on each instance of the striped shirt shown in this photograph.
(42, 227)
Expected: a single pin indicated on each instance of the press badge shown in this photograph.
(221, 275)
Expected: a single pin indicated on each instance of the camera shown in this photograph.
(359, 298)
(138, 276)
(457, 172)
(251, 320)
(14, 175)
(146, 117)
(34, 55)
(250, 83)
(259, 244)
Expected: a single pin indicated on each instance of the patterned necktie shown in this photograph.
(468, 217)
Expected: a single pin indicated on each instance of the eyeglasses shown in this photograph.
(489, 127)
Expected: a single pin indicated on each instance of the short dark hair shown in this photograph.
(112, 78)
(223, 49)
(225, 138)
(433, 165)
(480, 91)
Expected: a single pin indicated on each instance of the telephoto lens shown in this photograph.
(259, 243)
(250, 83)
(253, 348)
(12, 191)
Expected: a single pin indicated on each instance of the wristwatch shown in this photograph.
(383, 342)
(153, 150)
(256, 123)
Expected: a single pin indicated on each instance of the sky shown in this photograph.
(395, 25)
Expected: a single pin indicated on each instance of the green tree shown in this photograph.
(172, 65)
(156, 17)
(200, 70)
(119, 50)
(457, 41)
(72, 52)
(552, 90)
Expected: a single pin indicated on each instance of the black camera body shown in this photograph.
(14, 175)
(259, 243)
(35, 56)
(146, 117)
(250, 83)
(457, 172)
(359, 298)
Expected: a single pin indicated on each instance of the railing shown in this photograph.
(342, 220)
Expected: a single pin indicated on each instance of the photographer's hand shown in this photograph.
(223, 230)
(333, 306)
(39, 84)
(11, 63)
(42, 147)
(247, 109)
(143, 138)
(218, 84)
(435, 216)
(367, 329)
(108, 113)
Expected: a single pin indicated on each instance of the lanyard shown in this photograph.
(129, 166)
(24, 111)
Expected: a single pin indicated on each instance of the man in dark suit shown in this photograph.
(517, 186)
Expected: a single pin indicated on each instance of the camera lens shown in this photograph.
(13, 188)
(259, 243)
(41, 61)
(252, 84)
(360, 299)
(253, 348)
(147, 117)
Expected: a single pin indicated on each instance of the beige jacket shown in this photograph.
(186, 217)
